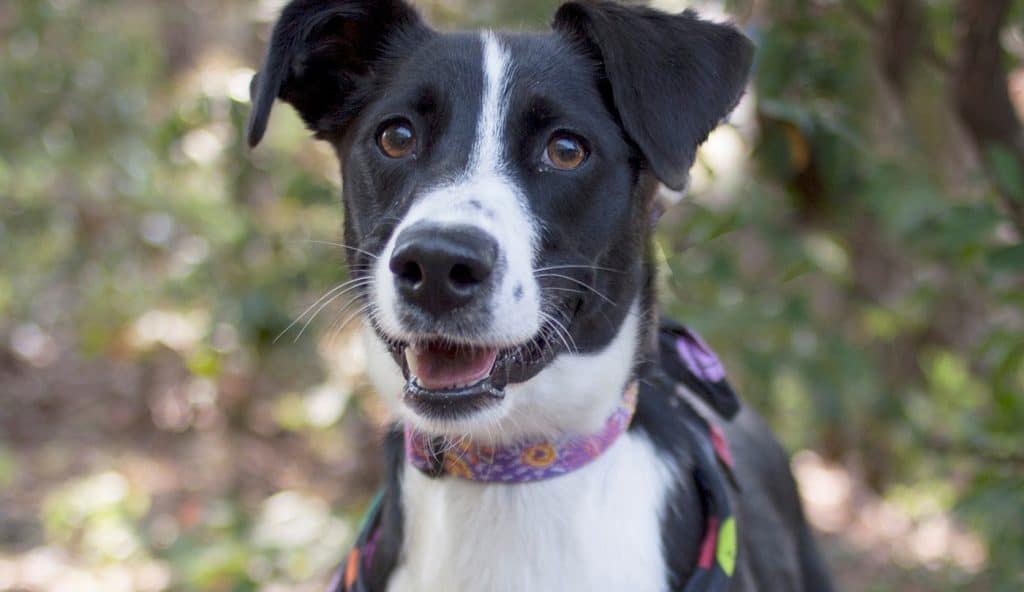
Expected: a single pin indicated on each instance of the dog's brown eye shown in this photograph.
(397, 140)
(565, 152)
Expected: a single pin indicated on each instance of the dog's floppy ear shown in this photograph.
(321, 56)
(673, 78)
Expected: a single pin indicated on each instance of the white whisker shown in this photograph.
(329, 296)
(340, 245)
(578, 282)
(355, 286)
(594, 267)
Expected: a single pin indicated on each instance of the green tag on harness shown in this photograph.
(726, 552)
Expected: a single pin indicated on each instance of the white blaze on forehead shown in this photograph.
(486, 153)
(486, 197)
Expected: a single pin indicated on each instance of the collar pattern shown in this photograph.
(523, 461)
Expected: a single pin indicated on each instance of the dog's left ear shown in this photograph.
(323, 56)
(673, 78)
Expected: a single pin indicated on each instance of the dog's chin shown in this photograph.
(452, 384)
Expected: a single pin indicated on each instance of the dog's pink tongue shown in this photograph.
(438, 367)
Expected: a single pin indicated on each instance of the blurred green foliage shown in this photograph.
(841, 247)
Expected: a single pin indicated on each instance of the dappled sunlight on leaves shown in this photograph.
(913, 526)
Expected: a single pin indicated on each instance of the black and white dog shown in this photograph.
(499, 199)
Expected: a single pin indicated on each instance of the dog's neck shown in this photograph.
(597, 518)
(467, 535)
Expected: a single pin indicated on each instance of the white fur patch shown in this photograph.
(574, 394)
(383, 372)
(597, 528)
(487, 149)
(484, 197)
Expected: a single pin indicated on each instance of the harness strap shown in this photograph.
(717, 559)
(686, 358)
(351, 576)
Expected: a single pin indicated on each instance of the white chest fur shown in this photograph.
(595, 529)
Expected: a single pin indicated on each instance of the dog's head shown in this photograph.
(497, 192)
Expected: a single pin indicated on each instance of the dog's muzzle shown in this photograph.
(444, 277)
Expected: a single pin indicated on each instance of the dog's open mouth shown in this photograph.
(449, 380)
(443, 367)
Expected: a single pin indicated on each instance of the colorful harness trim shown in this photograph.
(687, 360)
(717, 560)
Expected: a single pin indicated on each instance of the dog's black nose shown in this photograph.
(441, 268)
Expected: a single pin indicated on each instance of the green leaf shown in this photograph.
(1008, 258)
(1006, 168)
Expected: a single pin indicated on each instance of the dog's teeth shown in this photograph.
(412, 360)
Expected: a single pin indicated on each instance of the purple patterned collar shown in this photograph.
(524, 461)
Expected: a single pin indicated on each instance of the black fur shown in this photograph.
(322, 58)
(661, 417)
(644, 89)
(673, 77)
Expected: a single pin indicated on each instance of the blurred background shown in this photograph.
(851, 245)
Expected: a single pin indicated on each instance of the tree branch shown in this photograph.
(898, 13)
(981, 93)
(976, 451)
(900, 36)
